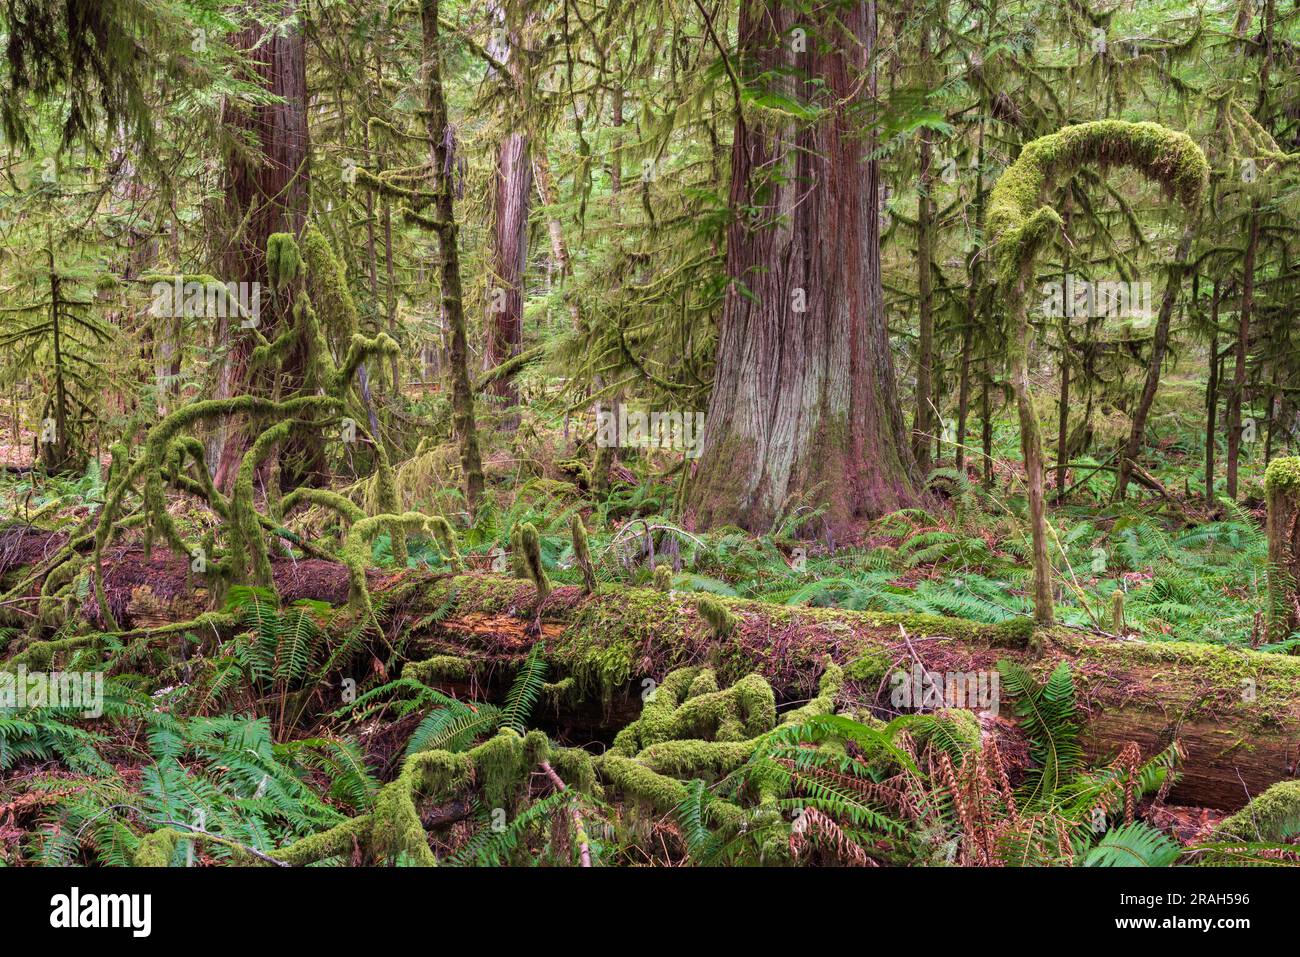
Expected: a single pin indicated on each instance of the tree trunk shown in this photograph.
(1212, 397)
(974, 274)
(804, 404)
(1282, 493)
(1238, 389)
(1159, 345)
(923, 421)
(986, 427)
(514, 183)
(266, 192)
(439, 134)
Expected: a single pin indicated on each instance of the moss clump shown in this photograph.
(720, 619)
(1273, 816)
(869, 667)
(688, 705)
(157, 848)
(393, 830)
(1282, 475)
(530, 552)
(663, 580)
(283, 259)
(1016, 633)
(439, 668)
(689, 728)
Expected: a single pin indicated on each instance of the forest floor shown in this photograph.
(681, 700)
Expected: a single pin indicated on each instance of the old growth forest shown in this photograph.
(649, 433)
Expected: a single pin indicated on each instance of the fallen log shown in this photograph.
(1236, 712)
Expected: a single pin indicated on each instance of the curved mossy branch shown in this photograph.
(244, 530)
(356, 551)
(1020, 226)
(690, 729)
(158, 444)
(446, 537)
(341, 505)
(499, 766)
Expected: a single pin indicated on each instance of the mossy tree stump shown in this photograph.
(1282, 492)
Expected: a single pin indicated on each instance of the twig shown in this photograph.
(583, 850)
(231, 841)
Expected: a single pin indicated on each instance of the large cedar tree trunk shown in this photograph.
(266, 192)
(804, 401)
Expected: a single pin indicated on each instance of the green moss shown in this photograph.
(439, 668)
(870, 667)
(446, 537)
(283, 259)
(719, 617)
(530, 552)
(157, 848)
(582, 553)
(1282, 475)
(1272, 817)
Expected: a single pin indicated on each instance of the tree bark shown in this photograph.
(1237, 392)
(1159, 346)
(1212, 399)
(509, 254)
(804, 403)
(1282, 495)
(439, 135)
(266, 192)
(923, 421)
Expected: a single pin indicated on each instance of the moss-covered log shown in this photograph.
(1235, 711)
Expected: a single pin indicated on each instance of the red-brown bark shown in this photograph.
(266, 192)
(804, 403)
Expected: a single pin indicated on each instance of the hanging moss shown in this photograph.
(283, 259)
